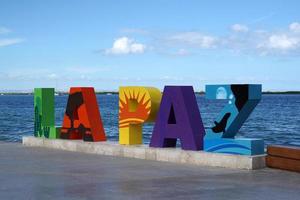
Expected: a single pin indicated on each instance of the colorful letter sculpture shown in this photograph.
(176, 115)
(283, 157)
(44, 113)
(82, 118)
(242, 100)
(136, 106)
(178, 118)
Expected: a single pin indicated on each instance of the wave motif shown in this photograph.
(223, 148)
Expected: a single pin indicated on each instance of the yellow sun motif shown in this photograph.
(136, 106)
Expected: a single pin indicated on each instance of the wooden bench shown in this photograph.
(283, 157)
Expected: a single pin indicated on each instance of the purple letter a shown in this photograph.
(178, 118)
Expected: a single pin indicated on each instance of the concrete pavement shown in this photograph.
(40, 173)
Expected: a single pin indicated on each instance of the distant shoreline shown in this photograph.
(114, 92)
(57, 93)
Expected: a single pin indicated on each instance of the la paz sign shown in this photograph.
(175, 114)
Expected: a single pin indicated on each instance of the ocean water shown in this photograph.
(276, 119)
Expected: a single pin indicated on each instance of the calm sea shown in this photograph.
(276, 118)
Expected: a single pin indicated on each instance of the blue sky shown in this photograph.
(106, 44)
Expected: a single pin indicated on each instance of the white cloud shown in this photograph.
(283, 42)
(239, 28)
(171, 78)
(124, 45)
(4, 30)
(263, 42)
(46, 73)
(181, 52)
(53, 76)
(195, 39)
(86, 70)
(280, 42)
(8, 42)
(135, 31)
(295, 27)
(241, 40)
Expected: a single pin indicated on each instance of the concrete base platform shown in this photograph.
(177, 155)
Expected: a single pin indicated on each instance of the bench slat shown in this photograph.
(283, 163)
(284, 151)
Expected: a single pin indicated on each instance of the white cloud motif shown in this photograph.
(124, 45)
(239, 28)
(221, 93)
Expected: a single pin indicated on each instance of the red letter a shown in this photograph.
(82, 118)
